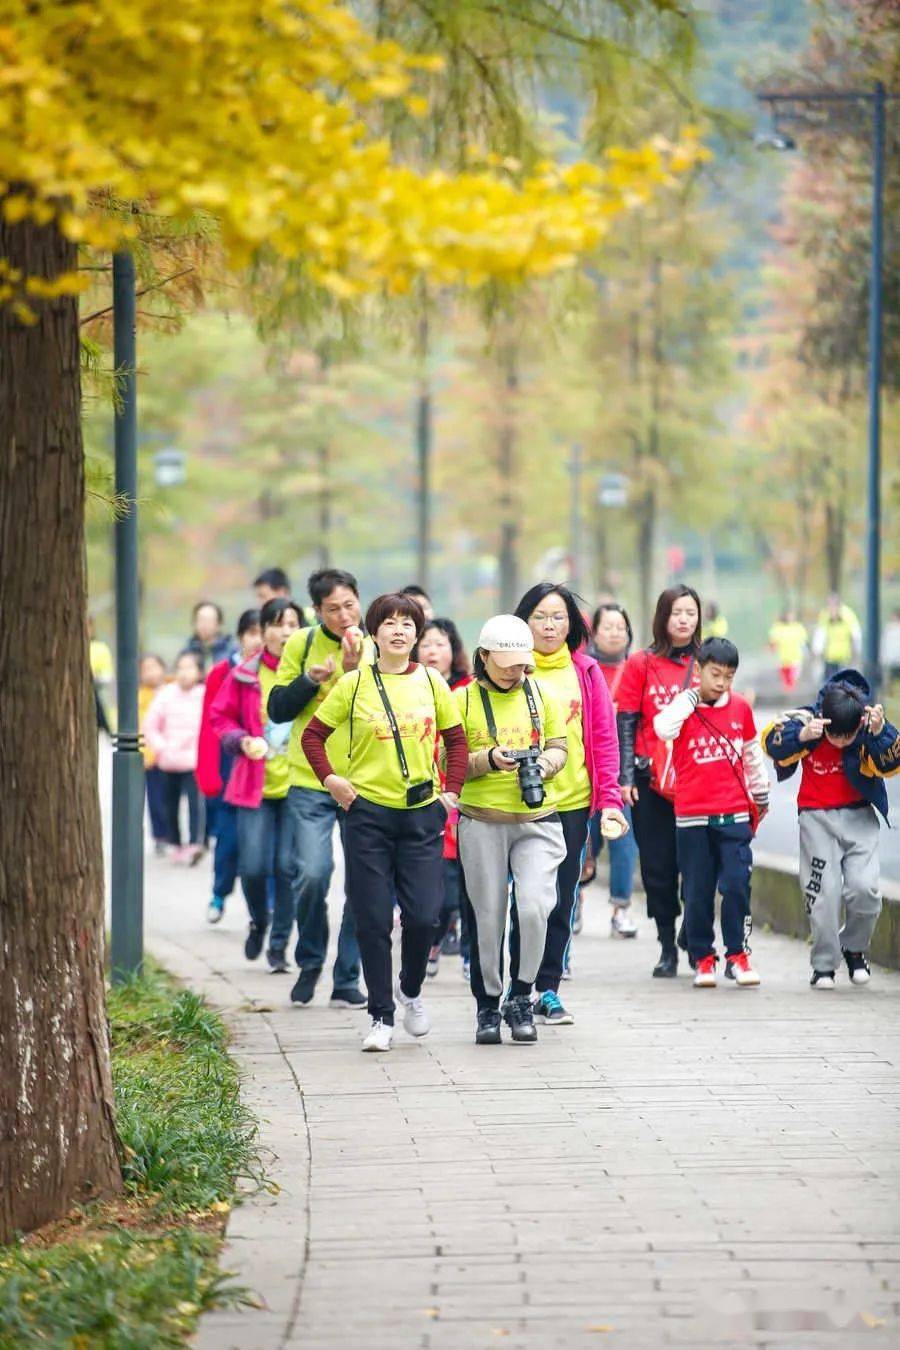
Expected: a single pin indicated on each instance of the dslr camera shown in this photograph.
(531, 784)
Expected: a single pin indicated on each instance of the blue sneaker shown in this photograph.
(549, 1008)
(216, 909)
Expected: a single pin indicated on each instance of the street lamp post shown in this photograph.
(877, 97)
(127, 931)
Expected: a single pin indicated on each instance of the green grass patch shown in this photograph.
(138, 1273)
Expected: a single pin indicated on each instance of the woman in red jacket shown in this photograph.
(588, 782)
(258, 784)
(214, 766)
(651, 679)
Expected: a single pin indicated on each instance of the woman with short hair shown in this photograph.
(387, 782)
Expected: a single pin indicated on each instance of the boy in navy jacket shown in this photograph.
(845, 748)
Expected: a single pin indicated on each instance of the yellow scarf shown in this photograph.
(553, 660)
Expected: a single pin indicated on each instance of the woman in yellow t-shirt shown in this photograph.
(509, 823)
(589, 782)
(391, 712)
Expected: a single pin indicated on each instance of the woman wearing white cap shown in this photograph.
(516, 736)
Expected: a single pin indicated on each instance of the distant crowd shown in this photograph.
(473, 798)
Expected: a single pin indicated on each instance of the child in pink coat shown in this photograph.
(172, 731)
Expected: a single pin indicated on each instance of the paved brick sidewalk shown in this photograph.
(681, 1167)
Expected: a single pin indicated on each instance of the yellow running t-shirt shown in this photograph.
(295, 660)
(500, 791)
(423, 706)
(277, 777)
(557, 673)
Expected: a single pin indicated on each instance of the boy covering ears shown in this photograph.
(845, 748)
(721, 791)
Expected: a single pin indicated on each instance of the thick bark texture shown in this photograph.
(57, 1136)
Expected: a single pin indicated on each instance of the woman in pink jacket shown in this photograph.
(589, 781)
(172, 731)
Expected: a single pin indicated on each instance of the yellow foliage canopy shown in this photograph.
(255, 110)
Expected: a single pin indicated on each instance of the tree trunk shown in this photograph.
(424, 432)
(506, 446)
(58, 1141)
(835, 534)
(646, 546)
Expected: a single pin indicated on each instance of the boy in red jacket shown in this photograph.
(721, 789)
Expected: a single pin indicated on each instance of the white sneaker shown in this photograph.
(380, 1036)
(415, 1018)
(622, 925)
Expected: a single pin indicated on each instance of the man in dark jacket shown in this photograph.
(845, 748)
(208, 642)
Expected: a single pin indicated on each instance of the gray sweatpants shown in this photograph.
(490, 852)
(839, 862)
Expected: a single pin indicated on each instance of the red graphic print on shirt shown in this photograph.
(824, 785)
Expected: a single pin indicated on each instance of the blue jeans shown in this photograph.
(314, 814)
(266, 849)
(622, 858)
(225, 856)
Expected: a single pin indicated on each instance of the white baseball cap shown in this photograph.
(508, 640)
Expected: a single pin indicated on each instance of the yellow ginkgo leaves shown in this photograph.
(255, 111)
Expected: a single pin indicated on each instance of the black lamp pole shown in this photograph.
(127, 934)
(787, 99)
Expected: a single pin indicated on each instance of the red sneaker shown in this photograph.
(739, 969)
(705, 972)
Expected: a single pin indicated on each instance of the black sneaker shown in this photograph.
(487, 1027)
(347, 998)
(277, 959)
(822, 979)
(518, 1015)
(254, 944)
(305, 986)
(857, 967)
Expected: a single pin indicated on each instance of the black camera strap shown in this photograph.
(392, 721)
(532, 712)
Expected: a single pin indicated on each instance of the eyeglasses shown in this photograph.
(558, 620)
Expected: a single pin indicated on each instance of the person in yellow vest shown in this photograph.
(714, 622)
(101, 663)
(788, 639)
(313, 661)
(838, 636)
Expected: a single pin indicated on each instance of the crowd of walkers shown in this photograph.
(473, 799)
